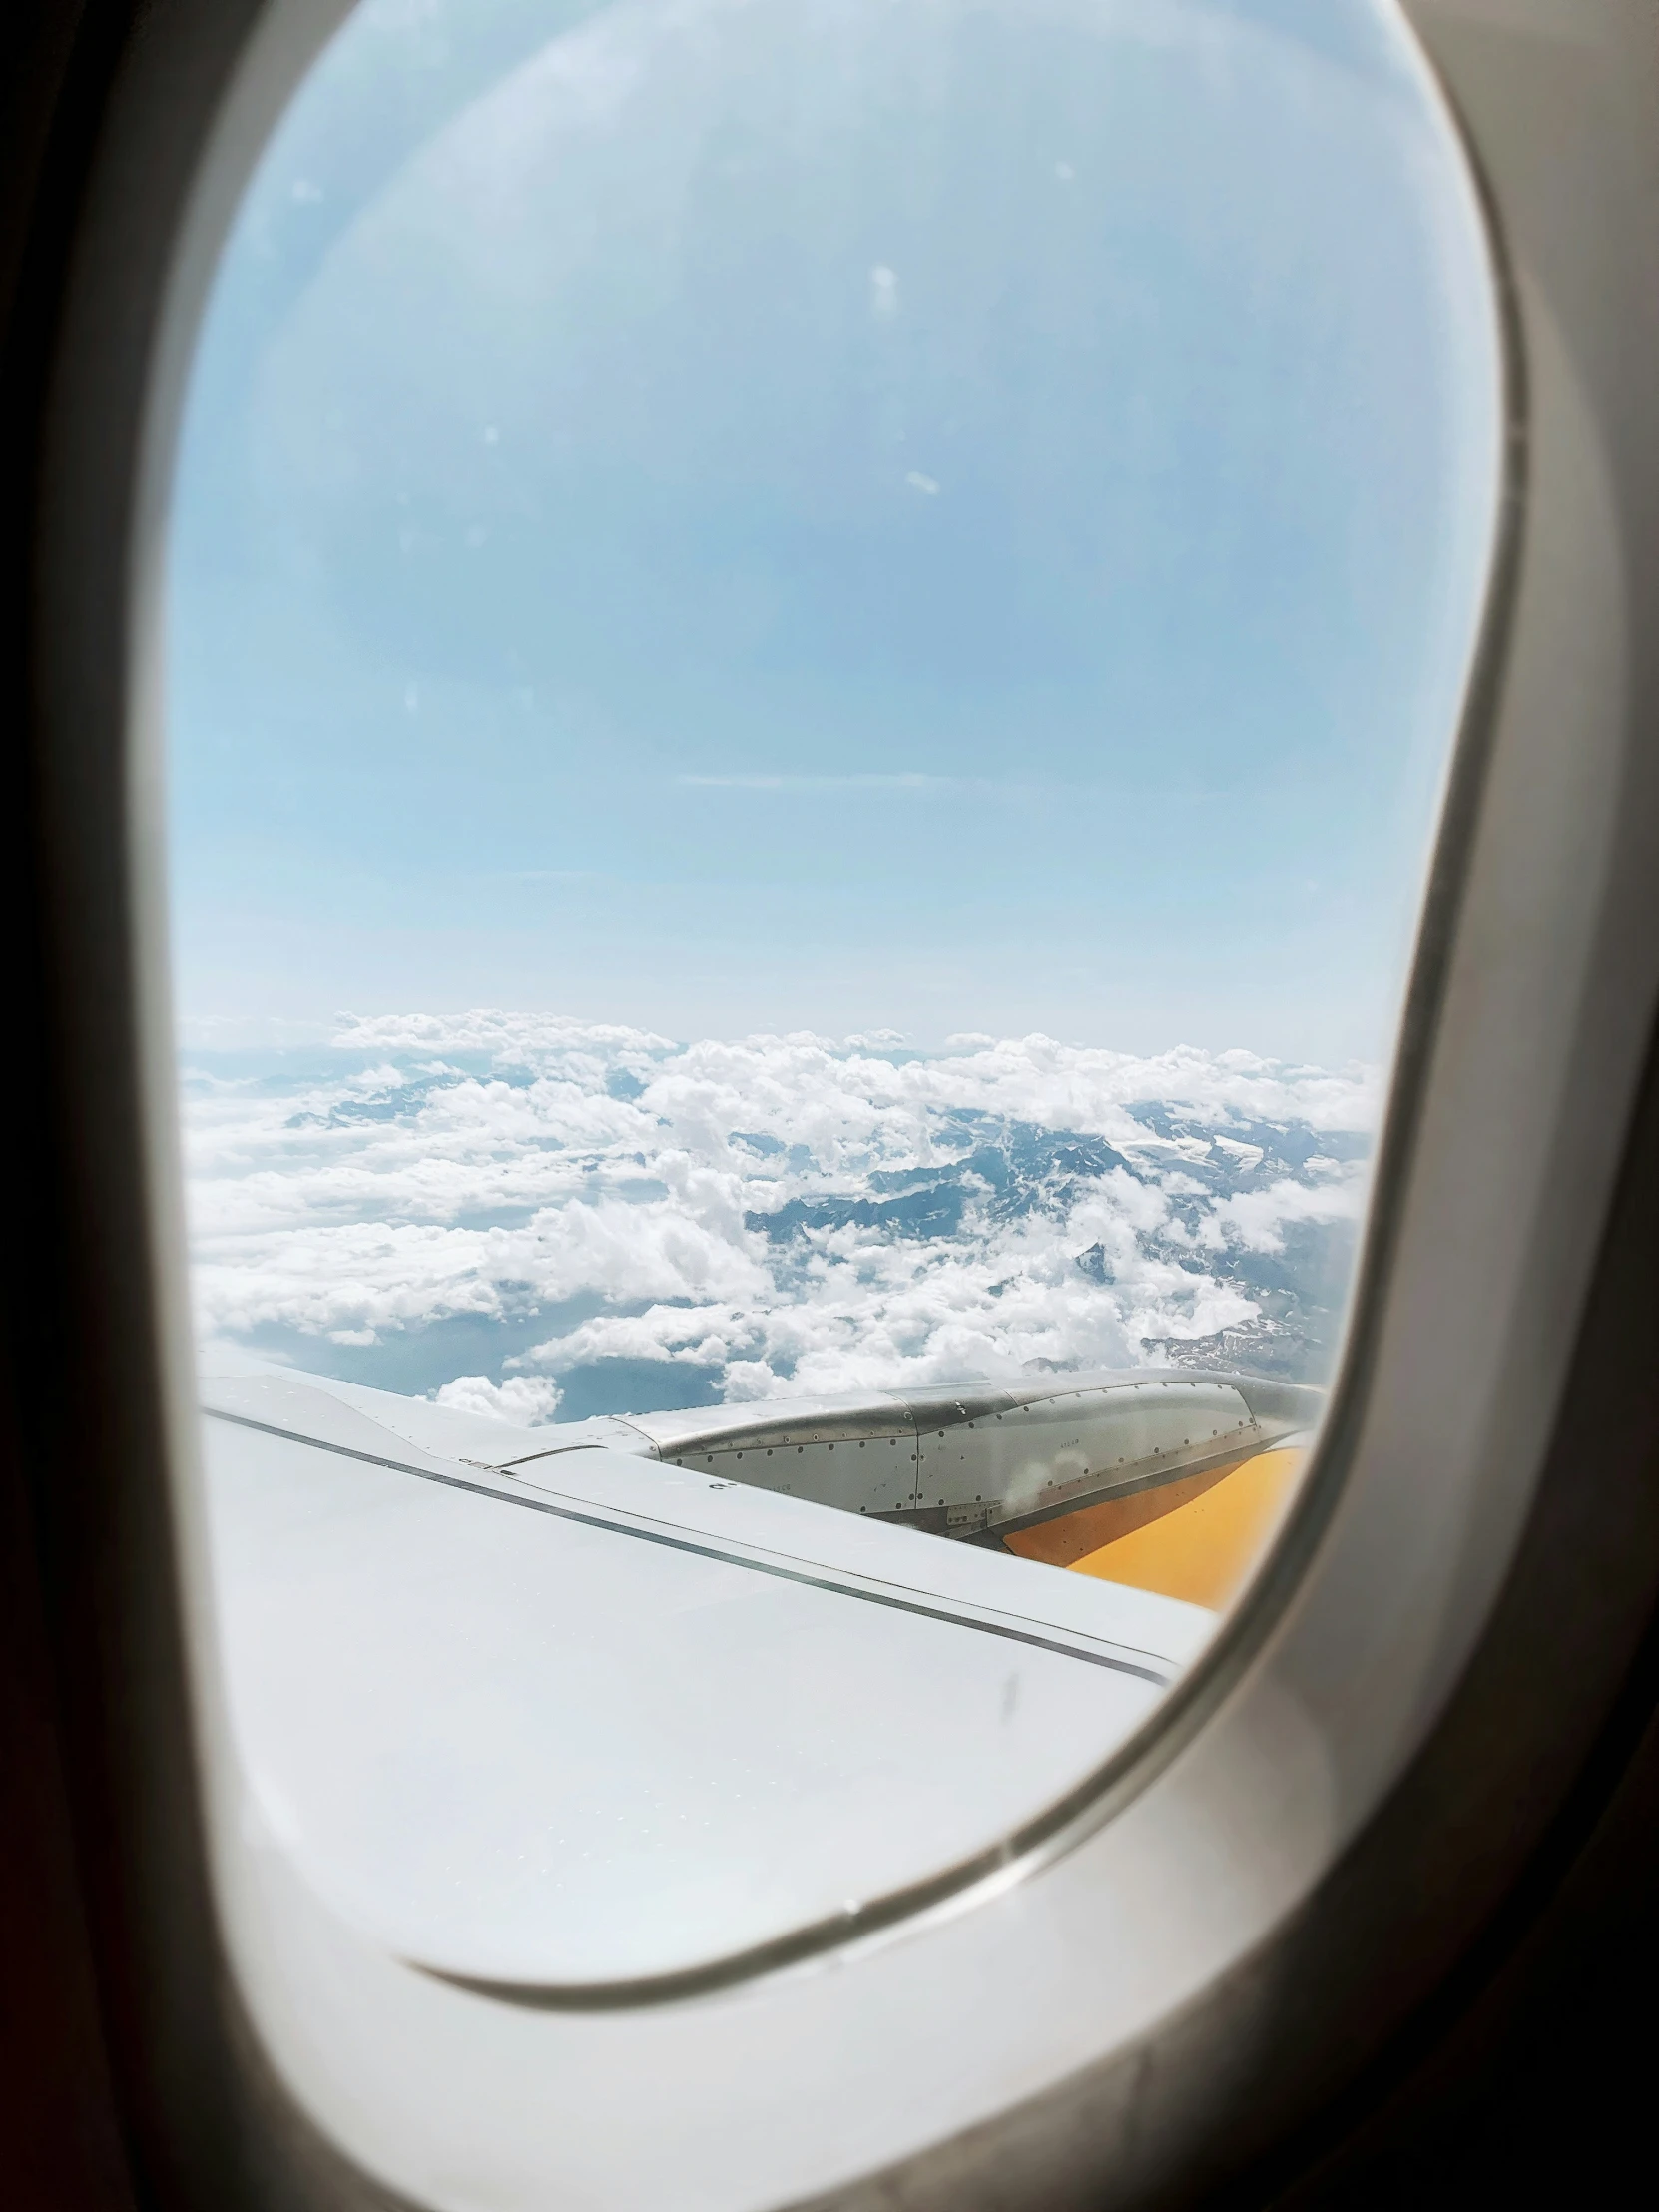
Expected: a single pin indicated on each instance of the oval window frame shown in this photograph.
(109, 427)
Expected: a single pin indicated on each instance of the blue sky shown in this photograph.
(835, 514)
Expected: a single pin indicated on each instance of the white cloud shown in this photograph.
(1258, 1218)
(527, 1401)
(784, 1213)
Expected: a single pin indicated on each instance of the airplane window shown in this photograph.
(812, 646)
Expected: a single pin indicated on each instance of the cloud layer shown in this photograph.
(546, 1219)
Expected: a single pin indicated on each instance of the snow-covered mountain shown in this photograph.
(550, 1218)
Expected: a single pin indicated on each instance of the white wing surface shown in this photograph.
(603, 1723)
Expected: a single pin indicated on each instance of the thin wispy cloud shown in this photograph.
(754, 783)
(1118, 789)
(549, 875)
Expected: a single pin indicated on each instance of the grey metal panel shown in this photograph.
(962, 1460)
(957, 1403)
(782, 1427)
(1078, 1445)
(874, 1473)
(775, 1422)
(1300, 1403)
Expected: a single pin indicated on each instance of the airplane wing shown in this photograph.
(586, 1714)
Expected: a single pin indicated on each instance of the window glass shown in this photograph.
(812, 649)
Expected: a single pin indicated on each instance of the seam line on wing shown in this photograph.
(1159, 1677)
